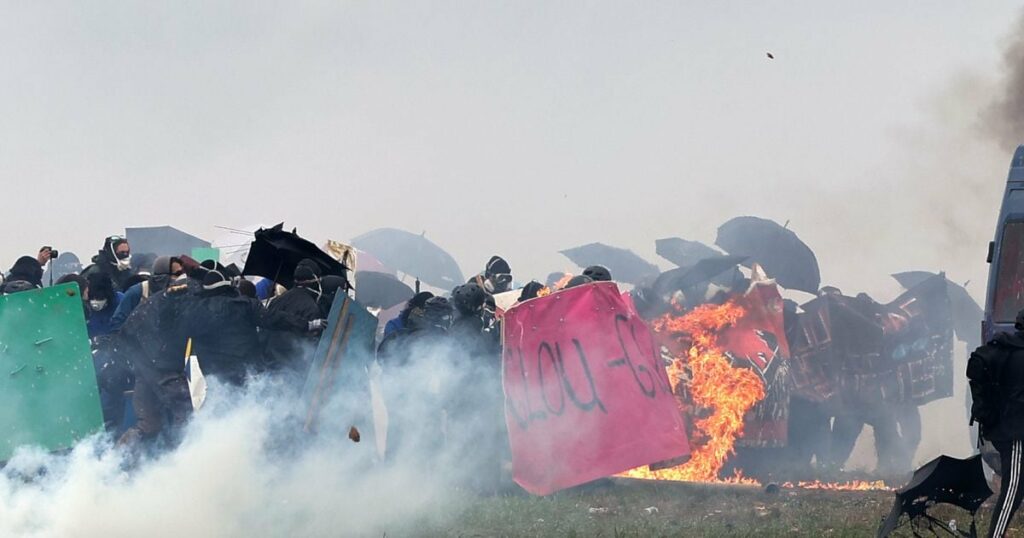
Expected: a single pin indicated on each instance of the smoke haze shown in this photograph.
(881, 132)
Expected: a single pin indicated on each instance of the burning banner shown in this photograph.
(729, 372)
(586, 394)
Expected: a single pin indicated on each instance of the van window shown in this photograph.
(1009, 294)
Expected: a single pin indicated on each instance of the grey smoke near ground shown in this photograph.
(245, 468)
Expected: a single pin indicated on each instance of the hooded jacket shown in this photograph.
(106, 262)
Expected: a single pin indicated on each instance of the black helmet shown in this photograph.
(468, 298)
(435, 314)
(578, 280)
(598, 273)
(531, 290)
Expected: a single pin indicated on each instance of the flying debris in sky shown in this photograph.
(770, 56)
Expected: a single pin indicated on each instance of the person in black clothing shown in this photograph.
(224, 327)
(115, 260)
(291, 350)
(153, 340)
(476, 429)
(412, 361)
(27, 270)
(995, 372)
(497, 276)
(331, 285)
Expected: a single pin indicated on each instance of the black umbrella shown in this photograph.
(942, 480)
(967, 314)
(684, 253)
(412, 254)
(775, 248)
(274, 253)
(381, 289)
(624, 264)
(720, 270)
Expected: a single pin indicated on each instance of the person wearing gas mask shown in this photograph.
(496, 278)
(165, 270)
(103, 302)
(292, 350)
(115, 261)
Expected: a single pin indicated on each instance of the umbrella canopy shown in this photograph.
(381, 290)
(624, 264)
(775, 248)
(274, 253)
(942, 480)
(967, 313)
(163, 241)
(720, 270)
(412, 254)
(684, 253)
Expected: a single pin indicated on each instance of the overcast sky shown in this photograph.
(518, 128)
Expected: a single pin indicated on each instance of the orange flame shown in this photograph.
(722, 395)
(713, 384)
(556, 286)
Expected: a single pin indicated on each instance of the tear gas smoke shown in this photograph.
(245, 468)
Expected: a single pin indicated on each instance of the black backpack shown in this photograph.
(984, 370)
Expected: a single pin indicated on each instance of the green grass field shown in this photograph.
(680, 509)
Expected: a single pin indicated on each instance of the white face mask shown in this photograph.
(97, 304)
(124, 264)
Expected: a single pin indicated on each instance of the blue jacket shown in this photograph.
(394, 324)
(129, 301)
(101, 323)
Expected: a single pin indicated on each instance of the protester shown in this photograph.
(115, 261)
(165, 269)
(292, 349)
(497, 276)
(26, 269)
(995, 372)
(598, 273)
(402, 320)
(413, 363)
(103, 303)
(153, 340)
(224, 328)
(331, 285)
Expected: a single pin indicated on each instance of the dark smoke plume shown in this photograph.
(1004, 118)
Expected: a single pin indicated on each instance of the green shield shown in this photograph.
(48, 393)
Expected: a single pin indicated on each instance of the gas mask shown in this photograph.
(97, 304)
(498, 283)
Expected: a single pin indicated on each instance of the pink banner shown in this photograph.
(585, 391)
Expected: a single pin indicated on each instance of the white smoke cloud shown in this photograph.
(244, 468)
